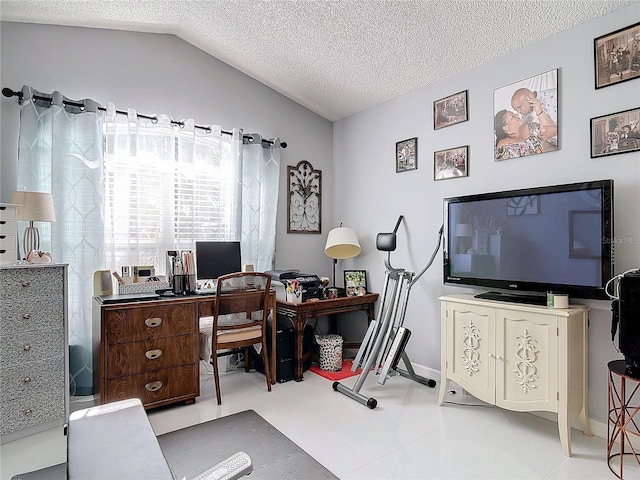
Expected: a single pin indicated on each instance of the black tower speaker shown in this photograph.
(629, 321)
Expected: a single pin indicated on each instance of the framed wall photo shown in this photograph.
(617, 56)
(407, 155)
(451, 163)
(304, 192)
(615, 133)
(355, 282)
(525, 117)
(450, 110)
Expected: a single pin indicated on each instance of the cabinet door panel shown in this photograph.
(526, 366)
(470, 347)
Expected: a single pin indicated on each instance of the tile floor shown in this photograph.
(406, 437)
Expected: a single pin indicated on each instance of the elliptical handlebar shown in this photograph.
(386, 242)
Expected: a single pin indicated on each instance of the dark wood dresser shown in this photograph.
(147, 350)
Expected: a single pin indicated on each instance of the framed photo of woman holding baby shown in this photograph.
(525, 117)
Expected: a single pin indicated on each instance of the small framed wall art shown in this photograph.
(304, 191)
(617, 56)
(451, 163)
(615, 133)
(407, 155)
(355, 282)
(450, 110)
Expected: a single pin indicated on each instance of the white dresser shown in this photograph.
(518, 357)
(8, 233)
(34, 365)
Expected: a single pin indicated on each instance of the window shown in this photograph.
(165, 188)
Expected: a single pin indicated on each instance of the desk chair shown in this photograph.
(240, 319)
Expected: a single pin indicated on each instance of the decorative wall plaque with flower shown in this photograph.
(305, 198)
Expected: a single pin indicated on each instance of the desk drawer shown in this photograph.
(27, 314)
(8, 214)
(138, 357)
(31, 346)
(27, 380)
(22, 413)
(155, 388)
(138, 323)
(37, 284)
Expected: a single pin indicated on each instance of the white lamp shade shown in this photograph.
(342, 242)
(463, 230)
(35, 206)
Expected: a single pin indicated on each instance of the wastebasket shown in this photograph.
(330, 352)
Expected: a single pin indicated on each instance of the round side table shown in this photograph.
(623, 425)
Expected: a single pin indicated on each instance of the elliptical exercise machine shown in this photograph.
(386, 338)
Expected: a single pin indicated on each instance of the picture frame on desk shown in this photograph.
(355, 282)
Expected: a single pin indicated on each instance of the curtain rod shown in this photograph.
(7, 92)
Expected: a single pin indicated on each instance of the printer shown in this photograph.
(311, 284)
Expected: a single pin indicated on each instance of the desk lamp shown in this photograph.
(34, 207)
(342, 243)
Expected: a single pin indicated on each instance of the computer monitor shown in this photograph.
(214, 259)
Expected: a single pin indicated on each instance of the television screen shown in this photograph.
(555, 238)
(214, 259)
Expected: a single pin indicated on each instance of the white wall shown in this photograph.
(370, 196)
(162, 74)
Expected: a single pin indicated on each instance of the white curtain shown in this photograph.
(167, 185)
(128, 188)
(260, 180)
(60, 151)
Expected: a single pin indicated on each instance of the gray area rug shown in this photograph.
(193, 450)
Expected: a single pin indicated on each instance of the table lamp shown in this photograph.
(34, 207)
(463, 234)
(342, 243)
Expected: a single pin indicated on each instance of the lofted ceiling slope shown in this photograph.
(335, 57)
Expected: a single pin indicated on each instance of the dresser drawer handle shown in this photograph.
(153, 386)
(25, 283)
(28, 413)
(27, 379)
(2, 251)
(153, 322)
(153, 354)
(2, 237)
(26, 348)
(26, 316)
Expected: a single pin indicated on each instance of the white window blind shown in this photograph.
(165, 187)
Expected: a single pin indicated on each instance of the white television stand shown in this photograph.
(518, 357)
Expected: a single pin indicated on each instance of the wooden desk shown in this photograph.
(299, 315)
(151, 349)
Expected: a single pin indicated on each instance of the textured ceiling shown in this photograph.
(335, 57)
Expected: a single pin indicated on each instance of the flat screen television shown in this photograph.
(214, 259)
(524, 242)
